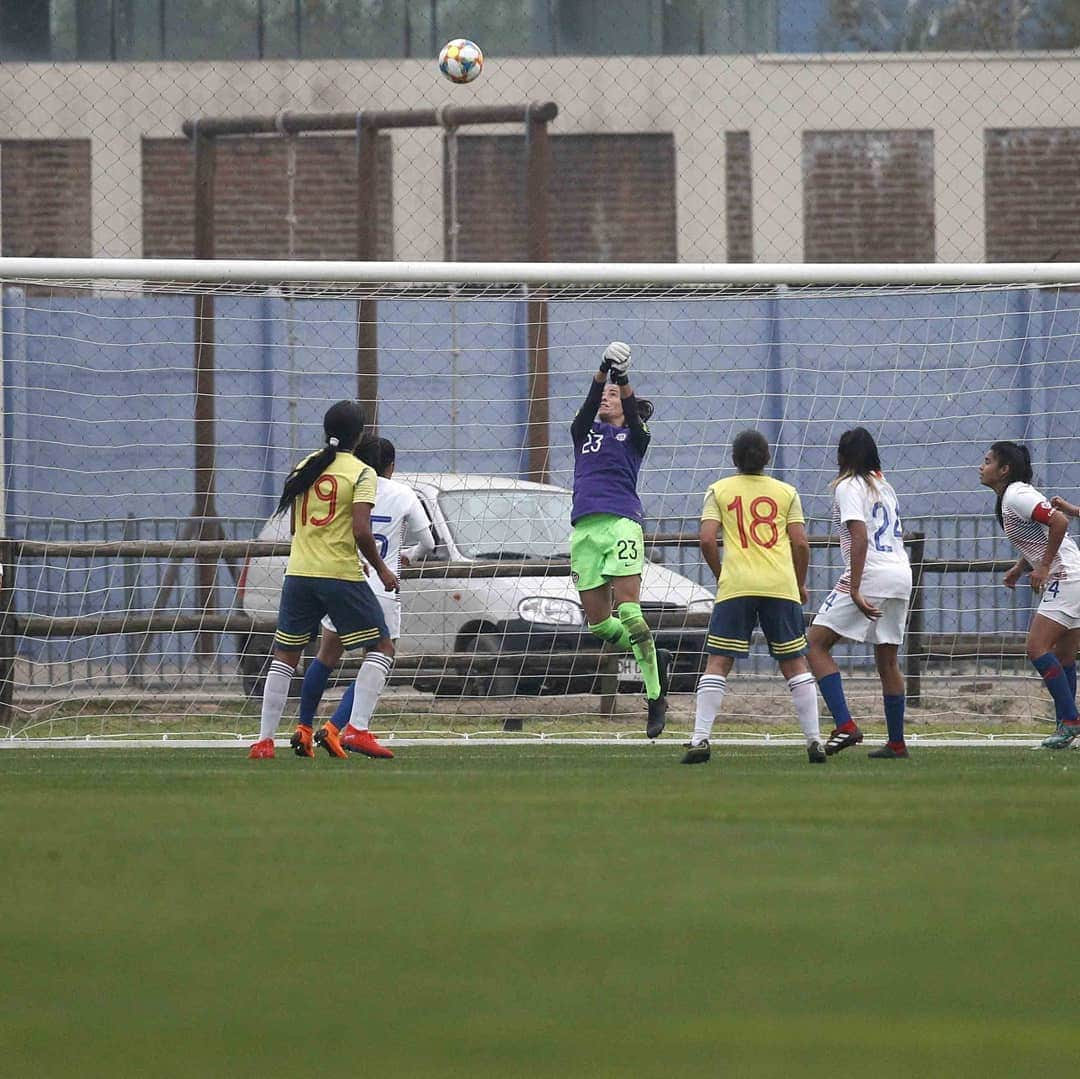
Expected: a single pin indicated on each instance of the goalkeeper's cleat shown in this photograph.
(262, 750)
(327, 737)
(843, 737)
(698, 754)
(890, 751)
(301, 742)
(1063, 737)
(364, 742)
(654, 726)
(663, 669)
(816, 754)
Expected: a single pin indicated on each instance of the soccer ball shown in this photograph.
(461, 60)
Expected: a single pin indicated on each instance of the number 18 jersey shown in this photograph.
(887, 571)
(754, 512)
(323, 544)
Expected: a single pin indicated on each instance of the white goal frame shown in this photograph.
(203, 272)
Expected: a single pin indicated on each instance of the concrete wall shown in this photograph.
(697, 99)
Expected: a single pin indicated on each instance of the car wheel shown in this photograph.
(482, 676)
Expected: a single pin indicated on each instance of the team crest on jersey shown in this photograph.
(621, 437)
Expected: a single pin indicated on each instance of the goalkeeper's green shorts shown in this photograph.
(603, 546)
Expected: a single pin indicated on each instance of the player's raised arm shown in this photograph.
(587, 413)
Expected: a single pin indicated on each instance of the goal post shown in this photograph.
(107, 628)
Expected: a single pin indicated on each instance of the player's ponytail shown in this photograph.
(1017, 459)
(343, 425)
(857, 456)
(750, 452)
(645, 409)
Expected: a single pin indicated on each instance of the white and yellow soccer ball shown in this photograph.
(461, 60)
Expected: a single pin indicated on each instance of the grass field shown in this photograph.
(538, 911)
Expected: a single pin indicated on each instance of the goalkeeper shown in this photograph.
(607, 546)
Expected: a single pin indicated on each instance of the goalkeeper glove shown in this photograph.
(617, 361)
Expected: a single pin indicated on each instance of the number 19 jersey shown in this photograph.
(323, 544)
(754, 512)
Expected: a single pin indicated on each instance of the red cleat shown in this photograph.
(301, 742)
(327, 737)
(262, 750)
(363, 742)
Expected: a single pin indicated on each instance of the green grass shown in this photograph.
(538, 911)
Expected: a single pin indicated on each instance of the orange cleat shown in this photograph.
(327, 737)
(262, 750)
(301, 742)
(363, 742)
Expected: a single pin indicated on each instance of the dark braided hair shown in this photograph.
(645, 409)
(857, 455)
(343, 425)
(1017, 460)
(750, 452)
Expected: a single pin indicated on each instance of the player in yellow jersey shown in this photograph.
(761, 581)
(329, 494)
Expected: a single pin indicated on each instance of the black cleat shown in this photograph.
(657, 717)
(663, 669)
(698, 754)
(889, 752)
(839, 740)
(815, 752)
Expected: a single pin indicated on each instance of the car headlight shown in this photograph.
(562, 612)
(700, 606)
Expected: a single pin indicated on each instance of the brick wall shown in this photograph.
(738, 183)
(612, 198)
(45, 195)
(252, 198)
(868, 196)
(1032, 194)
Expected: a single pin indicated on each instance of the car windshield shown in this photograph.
(509, 523)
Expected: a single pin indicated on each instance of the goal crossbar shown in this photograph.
(283, 271)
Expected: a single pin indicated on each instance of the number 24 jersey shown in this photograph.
(754, 512)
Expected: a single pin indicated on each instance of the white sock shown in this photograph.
(275, 695)
(710, 695)
(370, 680)
(804, 696)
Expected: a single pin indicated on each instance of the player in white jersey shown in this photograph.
(397, 512)
(1038, 530)
(870, 601)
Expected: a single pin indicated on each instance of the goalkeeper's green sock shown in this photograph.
(612, 631)
(641, 642)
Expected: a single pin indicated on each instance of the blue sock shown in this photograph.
(1058, 684)
(340, 718)
(1070, 675)
(833, 691)
(894, 716)
(314, 685)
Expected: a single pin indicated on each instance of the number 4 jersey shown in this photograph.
(323, 543)
(887, 572)
(754, 512)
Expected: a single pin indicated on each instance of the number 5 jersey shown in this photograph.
(887, 572)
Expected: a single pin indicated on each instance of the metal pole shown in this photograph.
(367, 327)
(916, 648)
(538, 184)
(204, 511)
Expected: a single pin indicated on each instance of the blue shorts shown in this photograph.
(733, 622)
(351, 605)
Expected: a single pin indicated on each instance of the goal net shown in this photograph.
(149, 422)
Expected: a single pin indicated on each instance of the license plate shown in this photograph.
(628, 669)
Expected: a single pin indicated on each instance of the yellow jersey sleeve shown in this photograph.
(711, 510)
(366, 485)
(795, 511)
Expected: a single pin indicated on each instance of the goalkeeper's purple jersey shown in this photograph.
(607, 461)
